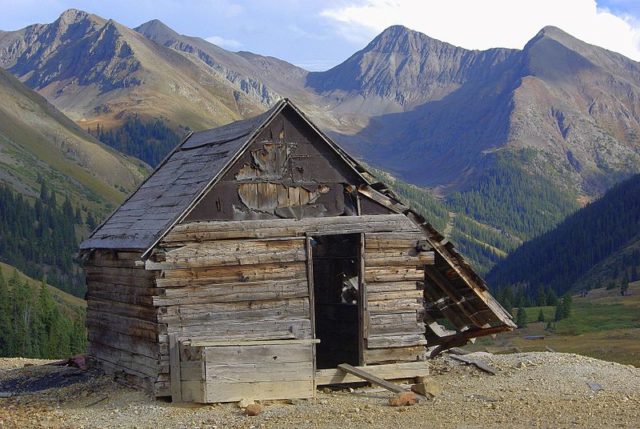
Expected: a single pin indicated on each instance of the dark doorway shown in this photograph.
(335, 278)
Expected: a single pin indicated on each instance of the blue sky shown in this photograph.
(319, 34)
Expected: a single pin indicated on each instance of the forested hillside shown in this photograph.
(598, 245)
(149, 141)
(467, 218)
(36, 323)
(41, 237)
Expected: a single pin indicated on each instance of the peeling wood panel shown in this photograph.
(288, 172)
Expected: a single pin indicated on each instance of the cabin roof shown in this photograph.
(184, 176)
(171, 189)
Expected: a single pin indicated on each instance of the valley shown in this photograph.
(603, 325)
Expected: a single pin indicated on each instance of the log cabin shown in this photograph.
(258, 257)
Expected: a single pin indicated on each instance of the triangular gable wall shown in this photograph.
(287, 171)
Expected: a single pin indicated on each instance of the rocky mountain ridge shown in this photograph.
(97, 70)
(432, 113)
(559, 116)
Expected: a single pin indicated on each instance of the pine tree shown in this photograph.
(567, 304)
(78, 216)
(44, 191)
(541, 296)
(541, 316)
(564, 307)
(91, 221)
(521, 318)
(48, 312)
(624, 287)
(550, 326)
(559, 312)
(5, 322)
(508, 299)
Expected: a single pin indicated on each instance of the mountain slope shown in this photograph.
(598, 244)
(574, 104)
(98, 70)
(37, 140)
(400, 70)
(38, 320)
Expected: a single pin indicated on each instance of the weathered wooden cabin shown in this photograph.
(223, 276)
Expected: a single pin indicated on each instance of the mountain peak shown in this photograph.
(157, 30)
(552, 30)
(399, 37)
(556, 34)
(396, 29)
(73, 15)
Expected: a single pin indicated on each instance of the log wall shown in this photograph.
(232, 289)
(121, 321)
(394, 278)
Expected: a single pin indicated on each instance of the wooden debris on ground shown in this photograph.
(371, 378)
(478, 364)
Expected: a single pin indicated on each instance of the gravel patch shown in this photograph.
(539, 390)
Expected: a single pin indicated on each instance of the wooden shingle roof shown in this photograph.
(170, 190)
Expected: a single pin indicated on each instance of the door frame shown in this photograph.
(362, 296)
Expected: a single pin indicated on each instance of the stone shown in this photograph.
(596, 387)
(253, 409)
(244, 403)
(427, 387)
(403, 399)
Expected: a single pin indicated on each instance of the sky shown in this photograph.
(317, 35)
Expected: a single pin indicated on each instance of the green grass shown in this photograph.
(603, 325)
(589, 317)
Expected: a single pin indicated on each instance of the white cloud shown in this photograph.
(475, 24)
(224, 43)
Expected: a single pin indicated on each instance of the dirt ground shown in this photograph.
(539, 390)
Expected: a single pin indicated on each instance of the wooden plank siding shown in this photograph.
(249, 280)
(122, 323)
(394, 274)
(233, 289)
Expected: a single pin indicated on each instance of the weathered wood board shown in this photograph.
(229, 371)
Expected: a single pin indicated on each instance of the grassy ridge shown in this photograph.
(38, 140)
